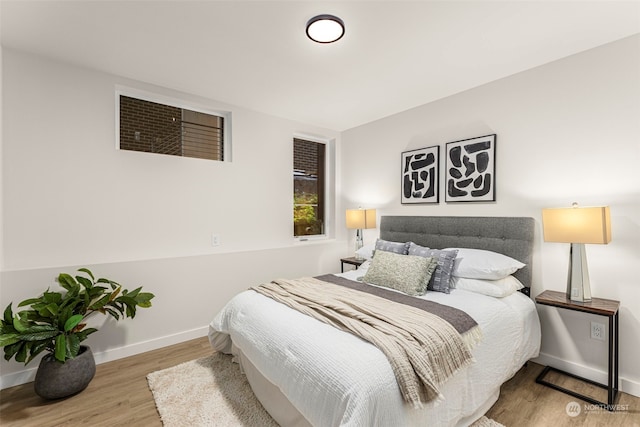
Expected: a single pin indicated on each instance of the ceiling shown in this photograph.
(394, 56)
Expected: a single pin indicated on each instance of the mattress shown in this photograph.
(333, 378)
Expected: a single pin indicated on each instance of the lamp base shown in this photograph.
(359, 243)
(578, 285)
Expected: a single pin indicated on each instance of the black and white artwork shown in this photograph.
(471, 170)
(420, 175)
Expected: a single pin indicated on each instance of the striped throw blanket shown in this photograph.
(423, 349)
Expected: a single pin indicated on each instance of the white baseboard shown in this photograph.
(625, 385)
(29, 374)
(17, 378)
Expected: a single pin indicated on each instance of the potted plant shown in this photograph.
(55, 322)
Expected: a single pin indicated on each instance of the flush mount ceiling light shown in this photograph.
(325, 28)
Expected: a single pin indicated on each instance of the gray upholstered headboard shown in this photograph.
(511, 236)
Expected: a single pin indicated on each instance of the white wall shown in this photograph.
(566, 131)
(69, 184)
(1, 160)
(70, 199)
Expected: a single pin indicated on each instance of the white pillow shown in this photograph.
(493, 288)
(366, 252)
(481, 264)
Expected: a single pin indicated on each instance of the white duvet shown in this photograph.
(334, 378)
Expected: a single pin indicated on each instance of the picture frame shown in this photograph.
(420, 172)
(471, 170)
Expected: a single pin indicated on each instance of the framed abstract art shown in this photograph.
(471, 170)
(420, 171)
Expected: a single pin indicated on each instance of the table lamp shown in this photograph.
(358, 219)
(577, 225)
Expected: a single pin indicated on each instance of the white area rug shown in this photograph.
(211, 392)
(206, 392)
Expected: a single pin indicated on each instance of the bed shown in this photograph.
(306, 372)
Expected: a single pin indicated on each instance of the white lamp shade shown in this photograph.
(361, 218)
(577, 224)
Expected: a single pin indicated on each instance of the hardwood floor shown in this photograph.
(523, 402)
(119, 396)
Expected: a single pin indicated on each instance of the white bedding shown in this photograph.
(334, 378)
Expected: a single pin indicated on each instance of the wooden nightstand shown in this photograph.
(350, 260)
(600, 307)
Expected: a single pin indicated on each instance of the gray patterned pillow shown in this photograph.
(404, 273)
(395, 247)
(441, 279)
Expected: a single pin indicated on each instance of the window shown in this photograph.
(308, 188)
(165, 129)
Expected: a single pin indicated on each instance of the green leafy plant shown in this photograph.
(305, 218)
(56, 321)
(304, 205)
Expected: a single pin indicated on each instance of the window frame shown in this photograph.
(328, 202)
(177, 103)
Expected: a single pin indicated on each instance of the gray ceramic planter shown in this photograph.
(55, 380)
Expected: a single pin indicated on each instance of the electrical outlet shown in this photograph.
(597, 331)
(215, 239)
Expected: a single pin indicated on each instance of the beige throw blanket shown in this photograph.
(423, 349)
